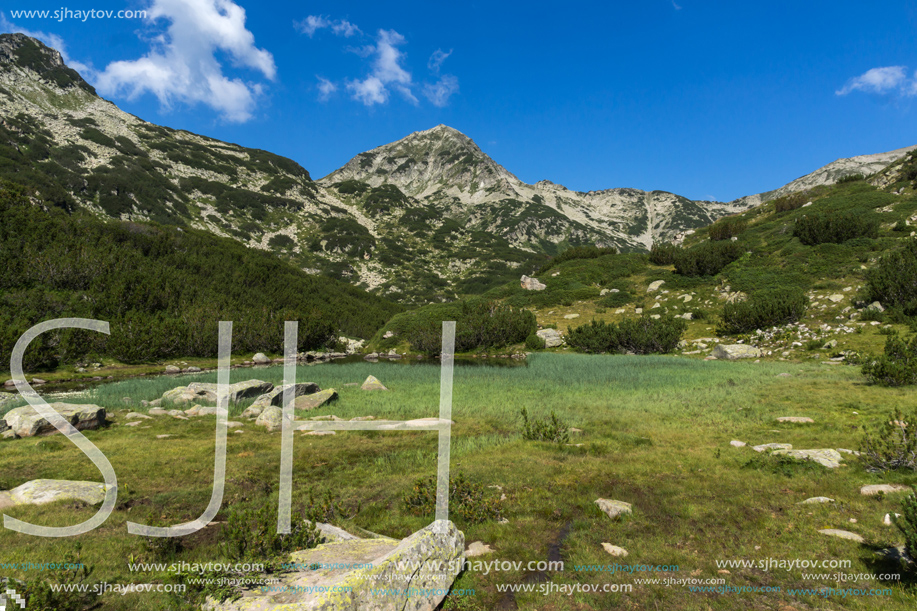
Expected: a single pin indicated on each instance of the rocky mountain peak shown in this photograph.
(19, 52)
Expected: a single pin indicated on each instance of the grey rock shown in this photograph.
(275, 396)
(612, 508)
(815, 500)
(387, 335)
(26, 422)
(310, 402)
(826, 457)
(372, 383)
(843, 534)
(875, 306)
(737, 444)
(551, 337)
(173, 369)
(206, 391)
(532, 284)
(333, 533)
(137, 416)
(883, 489)
(271, 418)
(654, 286)
(614, 550)
(735, 351)
(796, 419)
(477, 548)
(772, 446)
(260, 359)
(42, 491)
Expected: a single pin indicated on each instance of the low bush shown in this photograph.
(907, 523)
(893, 281)
(578, 252)
(643, 335)
(835, 227)
(727, 228)
(533, 342)
(763, 309)
(891, 443)
(251, 534)
(706, 259)
(467, 502)
(793, 201)
(616, 300)
(663, 254)
(897, 367)
(552, 430)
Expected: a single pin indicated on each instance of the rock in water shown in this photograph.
(439, 545)
(732, 352)
(26, 421)
(309, 402)
(371, 383)
(532, 284)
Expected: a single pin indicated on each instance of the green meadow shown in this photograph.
(655, 432)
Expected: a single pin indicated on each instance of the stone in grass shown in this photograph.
(614, 550)
(477, 548)
(371, 383)
(887, 520)
(310, 402)
(772, 446)
(137, 416)
(320, 433)
(612, 508)
(796, 419)
(843, 534)
(737, 444)
(27, 422)
(883, 489)
(732, 352)
(271, 418)
(260, 359)
(551, 337)
(826, 457)
(816, 499)
(275, 396)
(41, 491)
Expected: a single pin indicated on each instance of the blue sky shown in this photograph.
(704, 99)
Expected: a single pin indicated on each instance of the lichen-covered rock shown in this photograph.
(551, 337)
(612, 508)
(825, 457)
(271, 418)
(532, 284)
(732, 352)
(275, 396)
(383, 586)
(41, 491)
(309, 402)
(27, 422)
(207, 392)
(371, 383)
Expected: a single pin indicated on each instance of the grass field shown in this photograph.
(655, 433)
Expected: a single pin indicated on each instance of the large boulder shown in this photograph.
(387, 584)
(532, 284)
(275, 396)
(732, 352)
(41, 491)
(551, 337)
(260, 359)
(207, 392)
(271, 418)
(372, 383)
(27, 422)
(309, 402)
(825, 457)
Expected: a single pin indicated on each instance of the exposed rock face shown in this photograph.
(26, 422)
(42, 491)
(551, 337)
(532, 284)
(439, 544)
(732, 352)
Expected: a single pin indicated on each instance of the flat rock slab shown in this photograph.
(826, 457)
(816, 499)
(883, 489)
(614, 550)
(316, 399)
(614, 509)
(477, 548)
(138, 416)
(737, 444)
(42, 491)
(843, 534)
(275, 396)
(371, 383)
(772, 446)
(440, 544)
(206, 391)
(732, 352)
(797, 419)
(27, 422)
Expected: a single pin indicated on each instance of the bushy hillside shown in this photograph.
(162, 288)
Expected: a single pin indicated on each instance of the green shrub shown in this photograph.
(616, 300)
(901, 226)
(893, 281)
(707, 258)
(351, 187)
(897, 367)
(727, 228)
(578, 252)
(891, 443)
(643, 335)
(793, 201)
(907, 523)
(467, 502)
(251, 533)
(552, 430)
(40, 596)
(533, 342)
(835, 227)
(850, 178)
(763, 309)
(663, 254)
(281, 242)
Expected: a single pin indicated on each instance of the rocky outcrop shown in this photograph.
(440, 544)
(27, 422)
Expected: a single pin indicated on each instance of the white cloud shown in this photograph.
(182, 64)
(311, 24)
(52, 40)
(436, 60)
(439, 92)
(387, 72)
(325, 89)
(884, 80)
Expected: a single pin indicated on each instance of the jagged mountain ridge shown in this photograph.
(425, 218)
